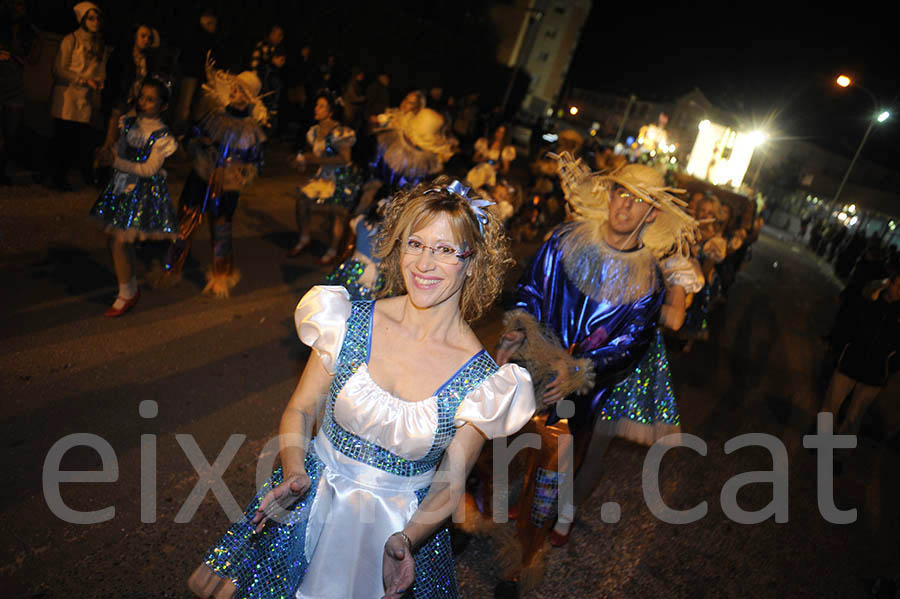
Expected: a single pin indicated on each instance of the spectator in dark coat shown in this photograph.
(867, 344)
(201, 44)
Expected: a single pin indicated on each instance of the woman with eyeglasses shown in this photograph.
(79, 72)
(408, 394)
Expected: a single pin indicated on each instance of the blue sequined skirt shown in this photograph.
(136, 207)
(347, 184)
(696, 324)
(643, 407)
(272, 564)
(348, 273)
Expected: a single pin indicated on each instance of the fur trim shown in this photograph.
(646, 434)
(204, 582)
(509, 560)
(474, 522)
(220, 285)
(160, 278)
(542, 351)
(603, 273)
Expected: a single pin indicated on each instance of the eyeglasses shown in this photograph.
(443, 253)
(623, 193)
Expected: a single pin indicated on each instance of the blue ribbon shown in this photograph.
(476, 204)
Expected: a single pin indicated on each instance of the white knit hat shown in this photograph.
(82, 9)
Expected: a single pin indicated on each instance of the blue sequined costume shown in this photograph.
(349, 272)
(324, 540)
(613, 334)
(133, 206)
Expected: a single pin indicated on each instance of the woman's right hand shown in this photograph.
(508, 345)
(279, 499)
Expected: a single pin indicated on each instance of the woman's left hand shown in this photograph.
(553, 392)
(398, 567)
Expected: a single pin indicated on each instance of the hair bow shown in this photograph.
(475, 203)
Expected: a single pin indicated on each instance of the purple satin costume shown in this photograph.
(614, 337)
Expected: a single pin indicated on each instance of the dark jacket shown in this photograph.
(868, 346)
(121, 75)
(193, 53)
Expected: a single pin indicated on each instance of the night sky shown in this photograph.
(769, 62)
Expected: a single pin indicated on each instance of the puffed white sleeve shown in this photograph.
(681, 271)
(321, 321)
(164, 147)
(344, 136)
(501, 405)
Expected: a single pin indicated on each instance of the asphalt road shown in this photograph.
(219, 368)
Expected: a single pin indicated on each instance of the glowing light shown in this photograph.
(853, 221)
(892, 225)
(884, 116)
(843, 81)
(757, 138)
(573, 110)
(551, 137)
(851, 209)
(721, 155)
(842, 216)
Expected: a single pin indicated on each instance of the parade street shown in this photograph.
(216, 374)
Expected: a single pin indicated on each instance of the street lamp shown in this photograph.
(884, 115)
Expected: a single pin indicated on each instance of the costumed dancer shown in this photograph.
(491, 157)
(135, 204)
(334, 189)
(359, 512)
(410, 147)
(708, 252)
(642, 408)
(586, 313)
(227, 150)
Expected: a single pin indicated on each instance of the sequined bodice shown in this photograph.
(137, 153)
(354, 353)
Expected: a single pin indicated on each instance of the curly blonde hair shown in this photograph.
(412, 210)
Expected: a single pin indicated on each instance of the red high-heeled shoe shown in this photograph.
(557, 539)
(129, 304)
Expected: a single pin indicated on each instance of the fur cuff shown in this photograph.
(542, 354)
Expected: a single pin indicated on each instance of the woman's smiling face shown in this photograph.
(430, 282)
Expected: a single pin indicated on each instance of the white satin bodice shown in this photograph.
(372, 413)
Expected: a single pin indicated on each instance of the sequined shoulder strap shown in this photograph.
(357, 340)
(159, 134)
(451, 394)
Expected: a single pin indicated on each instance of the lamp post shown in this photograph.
(631, 100)
(844, 81)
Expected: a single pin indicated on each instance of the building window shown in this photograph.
(543, 56)
(551, 33)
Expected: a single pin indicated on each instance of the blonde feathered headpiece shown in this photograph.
(219, 84)
(588, 192)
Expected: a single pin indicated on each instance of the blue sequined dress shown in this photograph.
(642, 408)
(333, 186)
(370, 465)
(135, 203)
